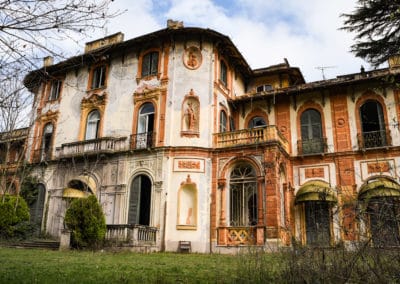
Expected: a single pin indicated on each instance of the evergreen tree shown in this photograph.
(377, 27)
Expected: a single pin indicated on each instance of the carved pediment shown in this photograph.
(94, 100)
(146, 92)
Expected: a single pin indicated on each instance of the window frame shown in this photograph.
(243, 181)
(223, 72)
(253, 119)
(55, 84)
(98, 81)
(90, 122)
(46, 142)
(223, 121)
(153, 68)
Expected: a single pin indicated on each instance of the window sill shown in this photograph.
(186, 227)
(96, 89)
(148, 77)
(190, 134)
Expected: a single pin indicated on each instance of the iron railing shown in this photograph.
(373, 139)
(143, 140)
(312, 146)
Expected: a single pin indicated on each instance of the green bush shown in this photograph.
(86, 221)
(13, 212)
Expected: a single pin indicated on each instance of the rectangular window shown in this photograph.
(150, 64)
(55, 90)
(264, 88)
(99, 77)
(223, 73)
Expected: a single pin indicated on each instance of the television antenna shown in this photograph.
(322, 68)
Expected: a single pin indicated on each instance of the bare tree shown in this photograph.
(33, 29)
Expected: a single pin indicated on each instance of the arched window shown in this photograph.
(243, 196)
(311, 132)
(257, 121)
(150, 64)
(140, 201)
(145, 126)
(372, 124)
(92, 125)
(223, 120)
(46, 141)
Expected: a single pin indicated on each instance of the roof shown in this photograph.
(14, 135)
(379, 75)
(222, 42)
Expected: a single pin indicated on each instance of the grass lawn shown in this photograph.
(44, 266)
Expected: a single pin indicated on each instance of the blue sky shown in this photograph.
(265, 31)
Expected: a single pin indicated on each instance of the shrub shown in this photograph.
(86, 221)
(13, 212)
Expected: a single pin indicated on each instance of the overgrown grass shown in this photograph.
(42, 266)
(301, 265)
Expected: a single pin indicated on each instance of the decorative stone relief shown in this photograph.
(192, 58)
(188, 165)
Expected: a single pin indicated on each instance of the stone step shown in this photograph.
(43, 244)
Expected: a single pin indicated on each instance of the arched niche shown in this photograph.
(187, 205)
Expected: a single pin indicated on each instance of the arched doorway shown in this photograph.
(140, 201)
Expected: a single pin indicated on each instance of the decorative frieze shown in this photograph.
(188, 165)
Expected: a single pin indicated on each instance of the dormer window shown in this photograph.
(99, 77)
(264, 88)
(150, 64)
(55, 90)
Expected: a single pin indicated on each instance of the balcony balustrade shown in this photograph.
(250, 137)
(134, 235)
(94, 146)
(233, 236)
(312, 146)
(373, 139)
(143, 140)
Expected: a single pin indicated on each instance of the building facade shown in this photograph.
(180, 140)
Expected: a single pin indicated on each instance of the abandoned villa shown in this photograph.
(180, 140)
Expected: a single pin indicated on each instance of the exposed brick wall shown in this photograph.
(340, 121)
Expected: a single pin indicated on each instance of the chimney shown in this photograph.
(105, 41)
(48, 61)
(174, 25)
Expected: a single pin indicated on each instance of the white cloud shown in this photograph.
(265, 31)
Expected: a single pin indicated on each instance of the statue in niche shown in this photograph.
(190, 115)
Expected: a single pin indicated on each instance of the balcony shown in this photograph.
(145, 140)
(251, 136)
(92, 147)
(312, 146)
(373, 139)
(132, 235)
